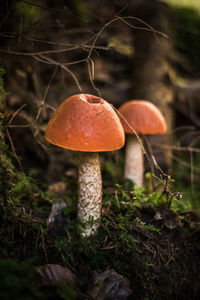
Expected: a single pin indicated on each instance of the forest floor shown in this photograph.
(145, 248)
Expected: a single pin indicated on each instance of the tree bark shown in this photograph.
(152, 72)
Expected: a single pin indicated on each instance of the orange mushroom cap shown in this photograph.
(85, 123)
(143, 116)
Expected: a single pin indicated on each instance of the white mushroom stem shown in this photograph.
(90, 191)
(134, 162)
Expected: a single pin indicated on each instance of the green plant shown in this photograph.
(142, 225)
(66, 293)
(17, 282)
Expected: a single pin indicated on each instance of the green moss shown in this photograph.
(66, 293)
(81, 9)
(28, 12)
(17, 282)
(129, 240)
(186, 4)
(187, 37)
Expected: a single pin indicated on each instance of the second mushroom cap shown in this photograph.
(143, 116)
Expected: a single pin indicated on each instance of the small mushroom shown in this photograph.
(145, 118)
(87, 124)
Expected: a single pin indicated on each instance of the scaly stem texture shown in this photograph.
(90, 191)
(134, 164)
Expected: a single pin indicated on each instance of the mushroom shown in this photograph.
(142, 117)
(87, 124)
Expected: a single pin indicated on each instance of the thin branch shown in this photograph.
(42, 60)
(118, 18)
(6, 17)
(41, 52)
(75, 62)
(91, 75)
(151, 154)
(182, 128)
(15, 113)
(98, 35)
(147, 28)
(183, 163)
(36, 139)
(195, 140)
(49, 84)
(34, 4)
(178, 148)
(81, 46)
(191, 171)
(73, 76)
(31, 122)
(189, 134)
(42, 105)
(133, 132)
(64, 68)
(13, 148)
(166, 176)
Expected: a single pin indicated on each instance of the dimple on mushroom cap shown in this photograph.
(85, 123)
(143, 116)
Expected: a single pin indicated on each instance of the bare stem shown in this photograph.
(134, 165)
(90, 191)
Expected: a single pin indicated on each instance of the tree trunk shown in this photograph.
(152, 73)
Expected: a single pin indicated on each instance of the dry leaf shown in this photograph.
(52, 275)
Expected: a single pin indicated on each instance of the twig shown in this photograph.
(191, 171)
(188, 134)
(34, 4)
(64, 68)
(166, 189)
(13, 148)
(43, 244)
(183, 163)
(133, 132)
(49, 84)
(15, 113)
(83, 46)
(118, 18)
(148, 28)
(109, 247)
(91, 75)
(178, 148)
(176, 195)
(6, 17)
(151, 165)
(40, 52)
(36, 85)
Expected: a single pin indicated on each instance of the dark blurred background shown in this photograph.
(120, 50)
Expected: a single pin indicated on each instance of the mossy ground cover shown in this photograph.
(156, 247)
